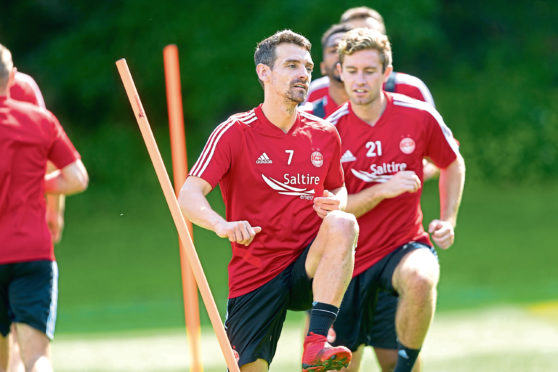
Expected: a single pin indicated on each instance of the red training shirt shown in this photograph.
(269, 178)
(407, 131)
(29, 136)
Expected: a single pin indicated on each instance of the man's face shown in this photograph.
(328, 66)
(291, 72)
(363, 77)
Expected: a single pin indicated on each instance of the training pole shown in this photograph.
(179, 171)
(172, 202)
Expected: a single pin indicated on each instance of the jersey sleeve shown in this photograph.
(335, 177)
(442, 148)
(217, 155)
(62, 152)
(413, 87)
(26, 89)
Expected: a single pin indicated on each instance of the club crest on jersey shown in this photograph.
(407, 145)
(264, 159)
(317, 159)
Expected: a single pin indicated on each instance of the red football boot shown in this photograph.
(320, 356)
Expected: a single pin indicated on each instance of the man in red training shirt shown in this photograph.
(385, 137)
(280, 175)
(29, 137)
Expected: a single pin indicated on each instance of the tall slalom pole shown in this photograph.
(180, 170)
(172, 202)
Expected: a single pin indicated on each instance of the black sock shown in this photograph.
(406, 358)
(322, 317)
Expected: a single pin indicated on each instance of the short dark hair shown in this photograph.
(334, 29)
(265, 50)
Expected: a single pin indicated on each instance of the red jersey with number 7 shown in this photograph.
(269, 178)
(407, 131)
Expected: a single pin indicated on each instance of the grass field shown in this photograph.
(511, 339)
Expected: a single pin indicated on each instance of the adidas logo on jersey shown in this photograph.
(264, 159)
(347, 157)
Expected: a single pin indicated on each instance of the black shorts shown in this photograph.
(363, 319)
(29, 295)
(255, 320)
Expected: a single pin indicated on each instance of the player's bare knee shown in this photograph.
(341, 225)
(420, 281)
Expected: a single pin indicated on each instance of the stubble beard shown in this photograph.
(333, 74)
(295, 96)
(365, 101)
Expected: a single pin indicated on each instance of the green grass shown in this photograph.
(504, 246)
(120, 269)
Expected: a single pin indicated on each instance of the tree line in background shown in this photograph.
(491, 67)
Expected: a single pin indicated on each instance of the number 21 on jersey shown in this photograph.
(374, 148)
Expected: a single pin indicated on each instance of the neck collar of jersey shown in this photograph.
(268, 128)
(382, 119)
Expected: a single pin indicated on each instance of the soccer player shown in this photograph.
(385, 136)
(29, 137)
(24, 88)
(327, 93)
(324, 101)
(282, 183)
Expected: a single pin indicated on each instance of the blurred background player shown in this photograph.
(24, 88)
(326, 93)
(385, 137)
(29, 137)
(292, 246)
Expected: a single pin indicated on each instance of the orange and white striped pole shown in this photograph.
(180, 170)
(174, 207)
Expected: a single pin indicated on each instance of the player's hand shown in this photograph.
(442, 233)
(55, 223)
(240, 232)
(401, 182)
(326, 203)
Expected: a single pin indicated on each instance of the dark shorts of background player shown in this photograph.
(355, 324)
(29, 295)
(254, 320)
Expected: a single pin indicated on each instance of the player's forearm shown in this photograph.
(55, 203)
(196, 208)
(57, 183)
(452, 180)
(364, 201)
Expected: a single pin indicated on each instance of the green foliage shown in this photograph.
(492, 72)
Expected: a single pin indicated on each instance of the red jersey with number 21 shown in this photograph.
(269, 178)
(407, 131)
